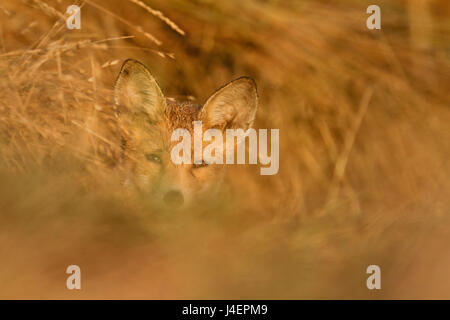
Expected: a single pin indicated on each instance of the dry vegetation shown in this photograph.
(364, 173)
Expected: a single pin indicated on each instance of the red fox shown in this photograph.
(150, 119)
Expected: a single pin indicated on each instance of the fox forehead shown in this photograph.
(147, 136)
(177, 115)
(181, 114)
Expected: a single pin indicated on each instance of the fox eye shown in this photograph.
(153, 157)
(200, 165)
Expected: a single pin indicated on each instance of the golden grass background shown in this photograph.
(364, 147)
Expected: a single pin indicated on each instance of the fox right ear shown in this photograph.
(137, 91)
(232, 106)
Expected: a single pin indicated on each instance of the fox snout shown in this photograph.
(174, 198)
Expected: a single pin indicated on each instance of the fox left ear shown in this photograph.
(138, 92)
(233, 106)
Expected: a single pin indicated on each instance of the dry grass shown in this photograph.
(364, 174)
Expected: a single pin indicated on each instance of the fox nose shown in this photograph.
(174, 198)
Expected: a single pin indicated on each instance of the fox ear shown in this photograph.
(137, 91)
(232, 106)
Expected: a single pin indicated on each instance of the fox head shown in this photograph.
(147, 120)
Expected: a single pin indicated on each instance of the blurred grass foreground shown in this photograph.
(364, 147)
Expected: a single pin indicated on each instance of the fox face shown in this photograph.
(147, 120)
